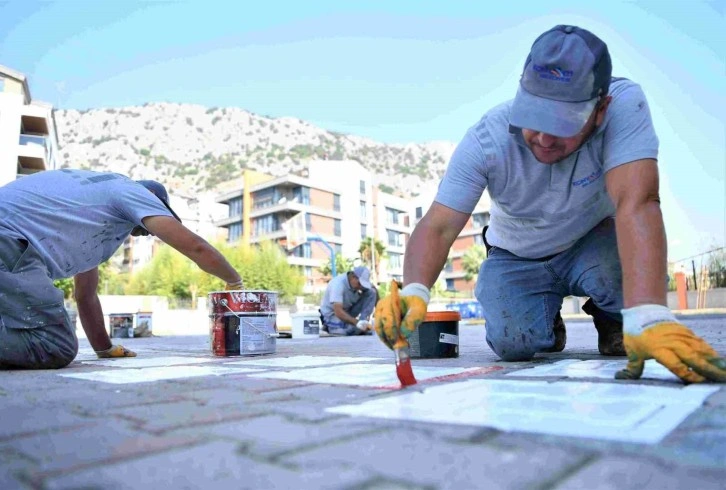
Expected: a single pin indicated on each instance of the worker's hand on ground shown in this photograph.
(364, 325)
(115, 351)
(652, 332)
(399, 314)
(234, 286)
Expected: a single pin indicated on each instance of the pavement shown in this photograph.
(232, 428)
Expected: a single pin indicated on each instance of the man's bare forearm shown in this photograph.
(643, 250)
(426, 254)
(91, 315)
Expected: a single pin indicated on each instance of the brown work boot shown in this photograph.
(560, 335)
(609, 331)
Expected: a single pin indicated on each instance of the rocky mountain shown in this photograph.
(192, 148)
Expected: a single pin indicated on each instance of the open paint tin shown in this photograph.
(437, 337)
(242, 323)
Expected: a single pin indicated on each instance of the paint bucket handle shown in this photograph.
(223, 302)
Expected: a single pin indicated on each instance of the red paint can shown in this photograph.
(242, 323)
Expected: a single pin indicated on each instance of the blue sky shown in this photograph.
(405, 71)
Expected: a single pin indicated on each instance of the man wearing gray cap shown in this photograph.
(348, 303)
(571, 168)
(64, 223)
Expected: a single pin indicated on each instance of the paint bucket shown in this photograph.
(305, 325)
(437, 337)
(242, 323)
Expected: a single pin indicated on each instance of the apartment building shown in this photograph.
(342, 207)
(28, 136)
(272, 202)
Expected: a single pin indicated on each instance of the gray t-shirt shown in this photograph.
(338, 291)
(537, 209)
(75, 219)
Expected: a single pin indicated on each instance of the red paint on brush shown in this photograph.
(403, 367)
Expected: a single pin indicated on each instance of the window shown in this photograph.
(338, 248)
(391, 216)
(264, 198)
(304, 251)
(235, 231)
(395, 261)
(362, 186)
(336, 202)
(308, 222)
(449, 267)
(395, 239)
(336, 227)
(362, 210)
(265, 225)
(478, 239)
(419, 212)
(450, 285)
(363, 231)
(2, 84)
(235, 207)
(480, 220)
(301, 194)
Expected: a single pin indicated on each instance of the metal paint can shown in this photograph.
(437, 337)
(242, 323)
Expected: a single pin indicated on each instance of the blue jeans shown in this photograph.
(35, 331)
(520, 297)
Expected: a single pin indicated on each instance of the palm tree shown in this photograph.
(371, 251)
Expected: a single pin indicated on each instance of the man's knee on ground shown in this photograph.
(511, 352)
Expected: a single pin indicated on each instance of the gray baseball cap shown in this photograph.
(159, 191)
(364, 276)
(568, 69)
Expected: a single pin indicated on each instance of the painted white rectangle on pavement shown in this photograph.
(141, 362)
(371, 375)
(630, 413)
(574, 368)
(146, 375)
(304, 361)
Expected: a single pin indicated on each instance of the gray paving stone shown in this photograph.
(274, 435)
(610, 473)
(215, 465)
(108, 440)
(425, 460)
(161, 417)
(19, 420)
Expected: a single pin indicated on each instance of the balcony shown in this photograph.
(32, 153)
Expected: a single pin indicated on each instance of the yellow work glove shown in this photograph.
(652, 332)
(398, 315)
(115, 351)
(234, 286)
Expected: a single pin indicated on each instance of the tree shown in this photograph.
(372, 249)
(471, 261)
(341, 265)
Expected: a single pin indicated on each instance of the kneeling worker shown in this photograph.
(348, 303)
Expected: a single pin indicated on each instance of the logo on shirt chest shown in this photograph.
(585, 181)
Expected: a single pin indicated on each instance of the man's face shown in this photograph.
(550, 149)
(355, 282)
(139, 231)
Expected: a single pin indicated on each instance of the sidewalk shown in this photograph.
(286, 421)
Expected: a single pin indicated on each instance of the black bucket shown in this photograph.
(437, 337)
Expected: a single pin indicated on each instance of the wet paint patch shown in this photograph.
(303, 361)
(136, 362)
(573, 368)
(367, 375)
(147, 375)
(628, 413)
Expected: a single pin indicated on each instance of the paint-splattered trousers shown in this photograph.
(520, 297)
(362, 310)
(35, 330)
